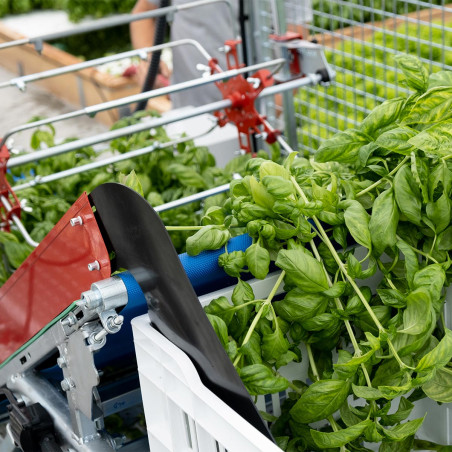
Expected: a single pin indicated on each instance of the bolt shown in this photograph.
(99, 337)
(69, 320)
(67, 384)
(61, 361)
(77, 221)
(115, 321)
(94, 266)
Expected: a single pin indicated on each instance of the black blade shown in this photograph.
(133, 230)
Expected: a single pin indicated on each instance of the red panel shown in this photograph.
(52, 277)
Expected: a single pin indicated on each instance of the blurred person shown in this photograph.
(211, 26)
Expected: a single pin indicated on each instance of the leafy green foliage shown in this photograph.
(379, 188)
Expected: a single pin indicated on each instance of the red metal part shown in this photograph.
(242, 94)
(7, 192)
(52, 277)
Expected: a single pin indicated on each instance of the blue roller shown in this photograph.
(205, 276)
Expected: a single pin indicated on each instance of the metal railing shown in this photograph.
(360, 40)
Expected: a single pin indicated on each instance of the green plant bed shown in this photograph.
(365, 76)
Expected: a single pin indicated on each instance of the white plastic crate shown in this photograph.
(183, 415)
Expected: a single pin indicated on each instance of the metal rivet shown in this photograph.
(77, 221)
(61, 361)
(94, 266)
(67, 384)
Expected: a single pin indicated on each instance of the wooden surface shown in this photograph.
(83, 88)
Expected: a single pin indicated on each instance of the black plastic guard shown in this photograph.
(134, 232)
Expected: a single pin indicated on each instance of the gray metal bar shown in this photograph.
(38, 180)
(107, 136)
(94, 109)
(18, 223)
(116, 21)
(20, 82)
(193, 198)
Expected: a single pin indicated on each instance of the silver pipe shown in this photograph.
(18, 223)
(20, 82)
(107, 136)
(193, 198)
(38, 390)
(38, 180)
(116, 21)
(92, 110)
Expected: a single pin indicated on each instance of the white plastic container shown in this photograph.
(183, 415)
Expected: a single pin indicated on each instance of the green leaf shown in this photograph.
(342, 147)
(367, 393)
(269, 168)
(336, 290)
(402, 431)
(252, 349)
(260, 194)
(403, 411)
(411, 261)
(325, 321)
(259, 379)
(415, 72)
(439, 356)
(433, 106)
(383, 115)
(133, 182)
(274, 345)
(439, 212)
(278, 187)
(439, 388)
(299, 306)
(220, 328)
(211, 237)
(383, 222)
(305, 271)
(357, 221)
(407, 195)
(392, 298)
(287, 358)
(258, 260)
(435, 140)
(232, 262)
(16, 253)
(444, 241)
(341, 437)
(431, 278)
(440, 78)
(187, 176)
(397, 446)
(220, 307)
(396, 140)
(416, 316)
(241, 294)
(320, 400)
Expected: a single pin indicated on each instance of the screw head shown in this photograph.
(94, 266)
(61, 361)
(67, 384)
(77, 221)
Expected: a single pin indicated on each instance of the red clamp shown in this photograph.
(7, 192)
(243, 93)
(294, 61)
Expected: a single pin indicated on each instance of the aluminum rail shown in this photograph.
(20, 82)
(116, 21)
(107, 136)
(38, 180)
(18, 223)
(94, 109)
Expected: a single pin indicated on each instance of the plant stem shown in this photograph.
(376, 184)
(316, 375)
(183, 228)
(421, 253)
(259, 314)
(341, 265)
(340, 307)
